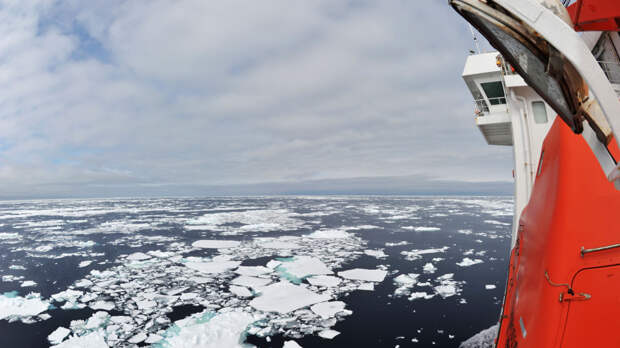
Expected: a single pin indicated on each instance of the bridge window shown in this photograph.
(540, 112)
(495, 92)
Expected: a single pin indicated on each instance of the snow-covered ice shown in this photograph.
(328, 334)
(58, 335)
(215, 244)
(324, 280)
(371, 275)
(328, 309)
(17, 307)
(466, 262)
(284, 297)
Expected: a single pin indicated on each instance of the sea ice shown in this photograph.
(84, 264)
(284, 297)
(490, 286)
(28, 283)
(466, 262)
(94, 339)
(324, 280)
(329, 234)
(279, 245)
(105, 305)
(215, 244)
(420, 294)
(429, 268)
(240, 291)
(303, 266)
(328, 309)
(138, 257)
(373, 275)
(251, 282)
(208, 330)
(416, 254)
(213, 266)
(425, 229)
(291, 344)
(328, 334)
(58, 335)
(376, 253)
(366, 287)
(253, 270)
(13, 306)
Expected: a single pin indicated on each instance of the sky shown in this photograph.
(151, 97)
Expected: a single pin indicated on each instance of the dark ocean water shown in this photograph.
(48, 243)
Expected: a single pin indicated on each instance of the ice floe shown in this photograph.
(284, 297)
(466, 262)
(329, 234)
(372, 275)
(328, 309)
(215, 244)
(416, 254)
(13, 307)
(328, 334)
(379, 253)
(94, 339)
(490, 286)
(323, 280)
(58, 335)
(300, 267)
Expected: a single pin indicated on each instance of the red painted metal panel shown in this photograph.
(595, 15)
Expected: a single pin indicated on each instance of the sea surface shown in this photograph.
(220, 272)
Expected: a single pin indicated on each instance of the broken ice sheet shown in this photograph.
(284, 297)
(58, 335)
(466, 262)
(324, 280)
(17, 307)
(94, 339)
(372, 275)
(208, 330)
(328, 309)
(215, 244)
(299, 267)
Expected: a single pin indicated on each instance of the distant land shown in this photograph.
(392, 185)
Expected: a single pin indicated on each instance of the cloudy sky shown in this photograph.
(112, 97)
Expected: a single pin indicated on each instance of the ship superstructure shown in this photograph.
(552, 93)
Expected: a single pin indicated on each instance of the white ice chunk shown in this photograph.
(137, 338)
(378, 253)
(213, 266)
(105, 305)
(253, 270)
(490, 286)
(251, 282)
(223, 330)
(58, 335)
(329, 234)
(372, 275)
(84, 264)
(284, 297)
(28, 283)
(328, 334)
(145, 304)
(12, 306)
(240, 291)
(273, 264)
(277, 244)
(328, 309)
(429, 268)
(291, 344)
(324, 280)
(466, 262)
(366, 287)
(420, 294)
(94, 339)
(303, 266)
(416, 254)
(215, 244)
(446, 290)
(138, 257)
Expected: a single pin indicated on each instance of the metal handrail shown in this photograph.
(611, 70)
(482, 107)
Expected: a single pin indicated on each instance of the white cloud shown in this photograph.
(203, 92)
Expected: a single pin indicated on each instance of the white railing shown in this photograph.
(612, 70)
(481, 106)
